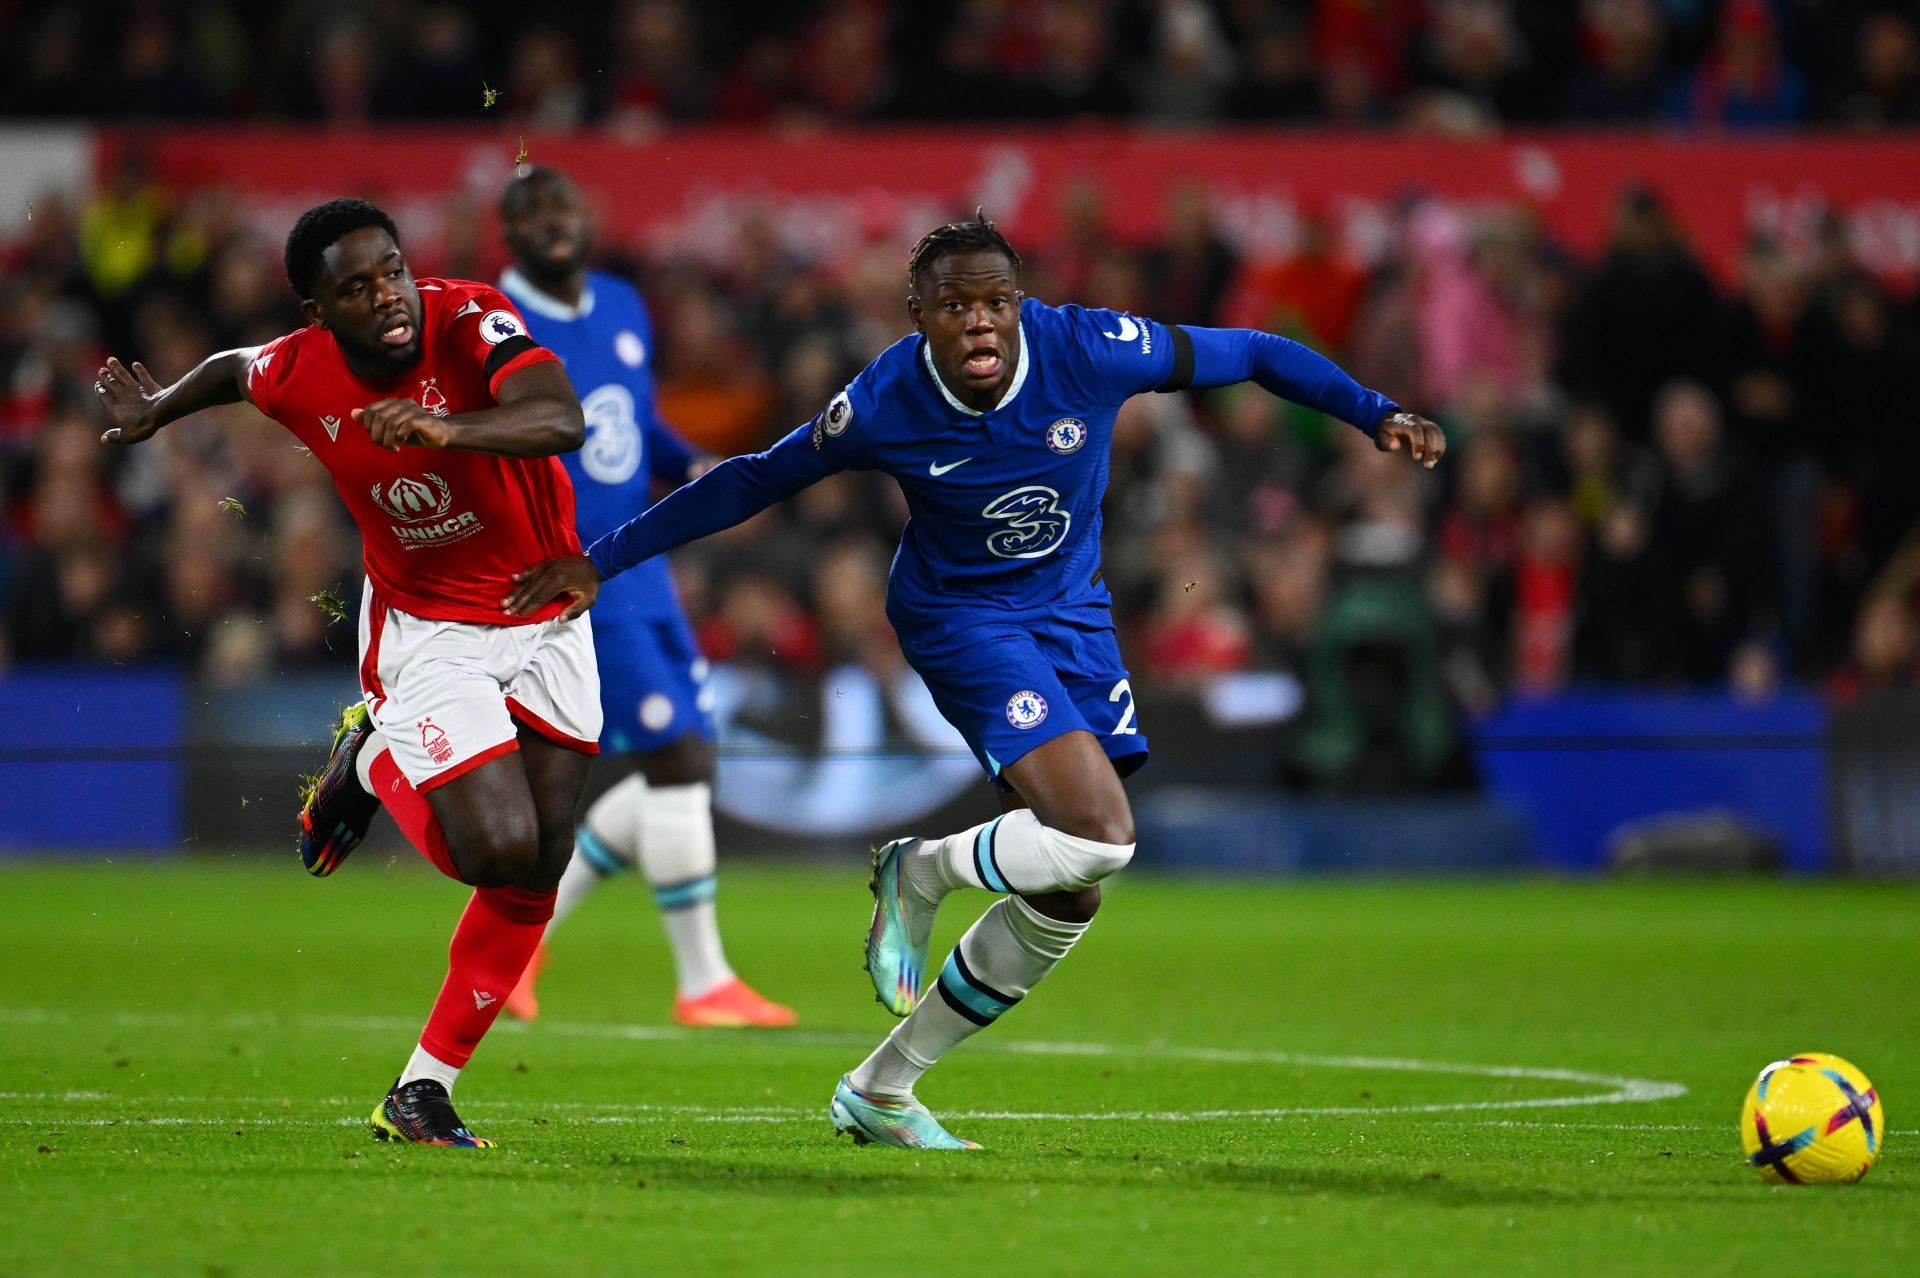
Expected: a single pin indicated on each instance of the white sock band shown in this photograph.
(424, 1064)
(1015, 853)
(613, 822)
(677, 856)
(675, 826)
(370, 749)
(582, 877)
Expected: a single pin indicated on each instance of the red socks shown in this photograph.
(412, 813)
(492, 944)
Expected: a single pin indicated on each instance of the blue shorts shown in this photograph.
(653, 684)
(1011, 686)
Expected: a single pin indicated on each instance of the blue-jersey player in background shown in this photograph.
(658, 737)
(995, 416)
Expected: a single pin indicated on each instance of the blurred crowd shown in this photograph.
(641, 64)
(1651, 478)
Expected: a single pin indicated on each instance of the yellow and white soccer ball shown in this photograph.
(1812, 1119)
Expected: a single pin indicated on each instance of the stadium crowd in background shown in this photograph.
(639, 64)
(1653, 478)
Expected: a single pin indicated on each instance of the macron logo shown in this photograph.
(480, 1000)
(471, 308)
(258, 366)
(1128, 330)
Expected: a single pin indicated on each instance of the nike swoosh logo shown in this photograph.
(1128, 330)
(935, 468)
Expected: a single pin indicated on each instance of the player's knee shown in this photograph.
(502, 853)
(688, 761)
(555, 851)
(1112, 826)
(1077, 906)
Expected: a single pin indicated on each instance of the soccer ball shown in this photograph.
(1812, 1119)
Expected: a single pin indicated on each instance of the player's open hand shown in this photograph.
(393, 422)
(130, 397)
(1420, 438)
(573, 576)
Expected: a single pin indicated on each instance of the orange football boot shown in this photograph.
(523, 1004)
(734, 1005)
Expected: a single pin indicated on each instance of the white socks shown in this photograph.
(677, 856)
(370, 749)
(667, 833)
(424, 1064)
(582, 877)
(1002, 956)
(1012, 853)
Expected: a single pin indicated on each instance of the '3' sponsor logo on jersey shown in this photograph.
(611, 454)
(1035, 523)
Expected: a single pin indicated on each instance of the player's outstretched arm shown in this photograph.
(731, 493)
(1224, 356)
(138, 405)
(537, 415)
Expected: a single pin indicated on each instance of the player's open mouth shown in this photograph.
(398, 332)
(983, 363)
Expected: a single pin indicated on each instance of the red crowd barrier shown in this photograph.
(824, 193)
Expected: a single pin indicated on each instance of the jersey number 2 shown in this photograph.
(1125, 727)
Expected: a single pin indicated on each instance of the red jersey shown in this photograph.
(442, 531)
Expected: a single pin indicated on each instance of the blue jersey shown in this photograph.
(1005, 504)
(606, 344)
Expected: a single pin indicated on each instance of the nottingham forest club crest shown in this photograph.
(1066, 435)
(432, 398)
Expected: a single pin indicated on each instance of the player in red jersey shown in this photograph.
(440, 421)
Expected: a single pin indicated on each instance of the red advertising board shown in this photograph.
(823, 193)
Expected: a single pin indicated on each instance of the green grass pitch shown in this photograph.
(188, 1053)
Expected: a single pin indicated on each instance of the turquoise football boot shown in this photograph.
(897, 937)
(904, 1124)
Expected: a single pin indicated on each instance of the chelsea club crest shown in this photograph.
(1066, 435)
(1026, 709)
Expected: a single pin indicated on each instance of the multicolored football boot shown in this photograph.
(335, 809)
(904, 1124)
(421, 1113)
(734, 1005)
(897, 937)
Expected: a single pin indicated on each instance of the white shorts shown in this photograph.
(450, 695)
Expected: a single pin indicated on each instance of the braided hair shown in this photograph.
(979, 235)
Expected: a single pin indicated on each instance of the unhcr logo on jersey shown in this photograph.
(421, 505)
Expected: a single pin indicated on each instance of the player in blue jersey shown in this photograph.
(995, 416)
(658, 738)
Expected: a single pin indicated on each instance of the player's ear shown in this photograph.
(913, 313)
(311, 309)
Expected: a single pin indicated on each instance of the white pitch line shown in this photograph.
(1618, 1089)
